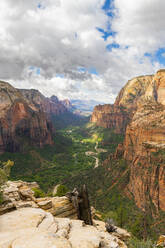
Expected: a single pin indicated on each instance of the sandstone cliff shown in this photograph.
(143, 100)
(116, 116)
(47, 105)
(144, 146)
(19, 120)
(110, 116)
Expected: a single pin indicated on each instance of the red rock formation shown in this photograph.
(118, 115)
(143, 98)
(145, 136)
(110, 116)
(144, 146)
(20, 122)
(39, 102)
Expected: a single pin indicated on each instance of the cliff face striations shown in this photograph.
(119, 114)
(144, 146)
(38, 101)
(110, 116)
(143, 101)
(21, 120)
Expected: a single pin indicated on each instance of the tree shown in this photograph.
(61, 190)
(5, 168)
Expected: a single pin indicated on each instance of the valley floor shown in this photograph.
(83, 155)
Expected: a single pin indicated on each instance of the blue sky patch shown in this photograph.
(159, 56)
(82, 69)
(31, 68)
(108, 8)
(111, 46)
(106, 34)
(40, 6)
(108, 5)
(93, 71)
(38, 71)
(59, 75)
(109, 11)
(35, 69)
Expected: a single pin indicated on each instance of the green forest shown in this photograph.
(67, 163)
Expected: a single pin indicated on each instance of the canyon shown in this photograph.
(135, 170)
(139, 113)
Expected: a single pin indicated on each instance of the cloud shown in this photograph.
(57, 37)
(140, 24)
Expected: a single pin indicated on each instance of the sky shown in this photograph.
(83, 49)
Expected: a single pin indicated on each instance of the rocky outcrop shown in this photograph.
(19, 194)
(161, 241)
(20, 122)
(26, 221)
(31, 227)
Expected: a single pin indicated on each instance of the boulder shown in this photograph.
(45, 204)
(161, 241)
(32, 227)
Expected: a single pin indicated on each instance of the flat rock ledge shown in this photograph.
(50, 222)
(34, 227)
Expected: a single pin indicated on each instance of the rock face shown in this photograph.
(20, 119)
(143, 101)
(39, 102)
(31, 227)
(110, 116)
(68, 105)
(116, 116)
(19, 194)
(144, 146)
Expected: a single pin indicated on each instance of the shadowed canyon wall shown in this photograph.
(141, 107)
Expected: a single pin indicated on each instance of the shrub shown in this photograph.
(38, 193)
(5, 168)
(61, 190)
(1, 198)
(135, 243)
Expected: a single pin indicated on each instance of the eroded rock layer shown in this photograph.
(142, 100)
(110, 116)
(116, 116)
(47, 105)
(144, 146)
(20, 121)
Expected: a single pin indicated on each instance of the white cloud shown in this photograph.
(140, 24)
(61, 36)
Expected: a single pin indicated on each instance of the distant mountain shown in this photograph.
(85, 107)
(67, 103)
